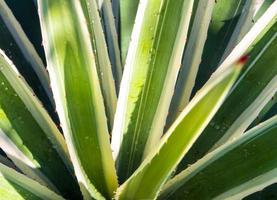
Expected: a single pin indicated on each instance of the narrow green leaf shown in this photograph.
(210, 179)
(77, 93)
(213, 25)
(255, 34)
(148, 81)
(115, 8)
(27, 16)
(16, 186)
(224, 20)
(266, 193)
(193, 14)
(245, 22)
(191, 58)
(18, 47)
(102, 61)
(270, 107)
(262, 8)
(105, 8)
(148, 179)
(253, 90)
(43, 155)
(127, 15)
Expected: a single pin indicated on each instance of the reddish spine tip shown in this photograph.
(243, 60)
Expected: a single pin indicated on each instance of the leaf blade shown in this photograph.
(243, 153)
(258, 83)
(146, 182)
(81, 109)
(106, 11)
(146, 91)
(191, 58)
(127, 10)
(21, 112)
(17, 186)
(102, 60)
(17, 45)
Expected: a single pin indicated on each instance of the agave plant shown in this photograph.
(129, 99)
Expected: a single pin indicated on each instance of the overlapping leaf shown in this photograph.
(16, 186)
(77, 93)
(102, 61)
(148, 179)
(17, 47)
(258, 82)
(28, 135)
(232, 171)
(148, 81)
(127, 13)
(108, 21)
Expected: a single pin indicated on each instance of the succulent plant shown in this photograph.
(129, 99)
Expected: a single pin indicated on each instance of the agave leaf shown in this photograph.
(233, 118)
(268, 108)
(191, 57)
(220, 30)
(27, 16)
(263, 5)
(28, 135)
(145, 93)
(115, 8)
(77, 93)
(260, 28)
(245, 22)
(202, 62)
(16, 186)
(127, 15)
(266, 193)
(245, 175)
(148, 179)
(105, 8)
(102, 61)
(194, 8)
(18, 47)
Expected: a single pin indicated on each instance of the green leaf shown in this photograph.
(127, 13)
(254, 35)
(17, 46)
(148, 80)
(245, 22)
(262, 8)
(257, 81)
(212, 28)
(266, 193)
(42, 156)
(148, 179)
(115, 8)
(191, 58)
(268, 108)
(16, 186)
(108, 22)
(27, 16)
(77, 93)
(102, 61)
(224, 20)
(251, 165)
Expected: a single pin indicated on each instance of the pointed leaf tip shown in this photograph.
(242, 60)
